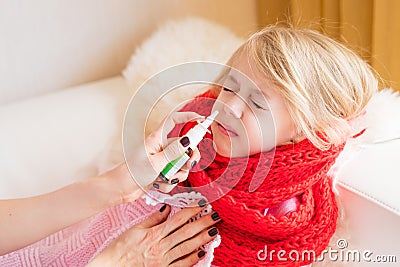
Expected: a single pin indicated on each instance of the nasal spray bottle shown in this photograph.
(195, 135)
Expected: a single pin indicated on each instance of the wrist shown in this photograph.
(117, 186)
(105, 258)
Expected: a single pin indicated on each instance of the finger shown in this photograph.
(173, 151)
(176, 118)
(156, 218)
(189, 230)
(169, 141)
(182, 216)
(178, 177)
(191, 244)
(194, 159)
(161, 132)
(191, 162)
(190, 260)
(183, 173)
(163, 187)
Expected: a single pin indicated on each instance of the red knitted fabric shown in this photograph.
(293, 170)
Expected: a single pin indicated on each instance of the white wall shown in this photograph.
(48, 45)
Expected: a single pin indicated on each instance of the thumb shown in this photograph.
(156, 218)
(171, 152)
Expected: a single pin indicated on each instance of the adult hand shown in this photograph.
(157, 151)
(91, 195)
(156, 242)
(116, 186)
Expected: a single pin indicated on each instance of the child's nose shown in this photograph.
(234, 107)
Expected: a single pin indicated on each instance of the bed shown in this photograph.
(63, 99)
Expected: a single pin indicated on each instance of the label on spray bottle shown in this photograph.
(195, 135)
(173, 167)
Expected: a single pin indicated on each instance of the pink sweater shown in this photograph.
(78, 244)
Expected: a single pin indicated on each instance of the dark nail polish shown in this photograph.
(162, 178)
(156, 186)
(175, 181)
(163, 207)
(213, 232)
(194, 164)
(201, 253)
(215, 216)
(202, 203)
(185, 141)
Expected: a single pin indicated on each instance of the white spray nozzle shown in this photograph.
(197, 133)
(209, 119)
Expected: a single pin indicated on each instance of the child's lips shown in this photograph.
(226, 130)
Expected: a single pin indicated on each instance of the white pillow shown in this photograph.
(175, 42)
(179, 41)
(53, 140)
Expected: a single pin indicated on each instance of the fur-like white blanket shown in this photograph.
(176, 42)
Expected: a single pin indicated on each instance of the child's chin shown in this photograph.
(223, 151)
(228, 153)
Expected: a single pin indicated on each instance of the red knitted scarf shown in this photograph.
(293, 170)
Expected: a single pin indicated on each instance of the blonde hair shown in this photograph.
(323, 82)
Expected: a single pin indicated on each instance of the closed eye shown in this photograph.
(257, 105)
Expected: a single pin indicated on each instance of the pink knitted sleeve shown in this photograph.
(78, 244)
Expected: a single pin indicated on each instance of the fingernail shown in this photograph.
(156, 186)
(175, 181)
(162, 178)
(215, 216)
(194, 163)
(185, 141)
(202, 203)
(201, 253)
(163, 207)
(213, 232)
